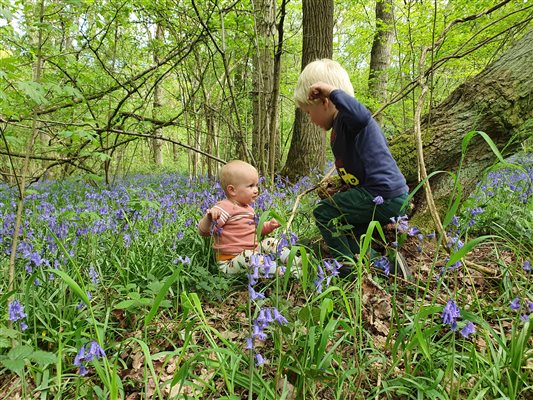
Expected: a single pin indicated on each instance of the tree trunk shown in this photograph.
(381, 52)
(157, 143)
(265, 14)
(308, 142)
(497, 101)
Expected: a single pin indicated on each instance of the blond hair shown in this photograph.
(232, 172)
(324, 70)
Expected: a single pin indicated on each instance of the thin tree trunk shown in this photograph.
(275, 143)
(157, 143)
(381, 53)
(264, 11)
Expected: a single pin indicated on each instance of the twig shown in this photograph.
(297, 201)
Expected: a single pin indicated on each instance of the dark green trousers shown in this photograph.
(356, 208)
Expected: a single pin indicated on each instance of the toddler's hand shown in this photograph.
(214, 213)
(275, 224)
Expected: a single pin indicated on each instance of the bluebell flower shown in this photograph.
(267, 266)
(450, 313)
(249, 343)
(320, 278)
(280, 319)
(259, 359)
(413, 231)
(185, 260)
(468, 329)
(515, 304)
(15, 310)
(524, 317)
(95, 351)
(255, 295)
(93, 275)
(526, 266)
(378, 200)
(384, 264)
(257, 331)
(85, 355)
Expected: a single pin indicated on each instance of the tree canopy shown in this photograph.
(93, 86)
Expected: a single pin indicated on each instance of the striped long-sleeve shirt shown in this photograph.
(235, 230)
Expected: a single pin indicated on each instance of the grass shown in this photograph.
(123, 266)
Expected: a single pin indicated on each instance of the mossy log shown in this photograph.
(498, 101)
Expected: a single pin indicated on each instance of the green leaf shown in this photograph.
(125, 304)
(72, 284)
(19, 352)
(43, 358)
(159, 298)
(16, 366)
(466, 248)
(33, 90)
(5, 343)
(8, 333)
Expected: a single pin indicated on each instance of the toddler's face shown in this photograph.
(320, 114)
(247, 190)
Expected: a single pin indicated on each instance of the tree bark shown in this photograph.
(381, 52)
(497, 101)
(265, 17)
(308, 142)
(157, 143)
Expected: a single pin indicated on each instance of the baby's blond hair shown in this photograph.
(324, 70)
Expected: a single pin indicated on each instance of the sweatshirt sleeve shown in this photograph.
(351, 108)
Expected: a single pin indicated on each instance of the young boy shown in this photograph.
(232, 223)
(377, 188)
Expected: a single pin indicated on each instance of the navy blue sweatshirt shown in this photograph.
(361, 149)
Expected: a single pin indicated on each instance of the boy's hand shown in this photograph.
(320, 90)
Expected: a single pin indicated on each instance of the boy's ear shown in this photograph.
(231, 189)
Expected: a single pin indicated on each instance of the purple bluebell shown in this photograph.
(15, 310)
(249, 343)
(93, 275)
(526, 266)
(259, 360)
(255, 295)
(257, 331)
(384, 264)
(280, 319)
(267, 266)
(450, 313)
(320, 278)
(378, 200)
(468, 329)
(95, 351)
(515, 304)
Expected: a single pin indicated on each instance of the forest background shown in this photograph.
(114, 118)
(107, 88)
